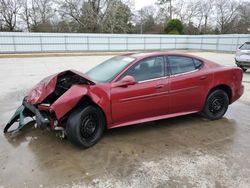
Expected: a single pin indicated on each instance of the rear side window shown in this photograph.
(181, 64)
(197, 63)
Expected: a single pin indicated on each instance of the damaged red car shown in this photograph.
(129, 89)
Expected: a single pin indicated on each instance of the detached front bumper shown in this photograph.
(42, 117)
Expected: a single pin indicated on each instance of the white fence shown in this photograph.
(72, 42)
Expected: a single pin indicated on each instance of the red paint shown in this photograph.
(167, 97)
(68, 100)
(45, 87)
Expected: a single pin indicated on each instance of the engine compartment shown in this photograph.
(64, 82)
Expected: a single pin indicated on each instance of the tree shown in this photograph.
(70, 12)
(97, 15)
(243, 24)
(190, 29)
(226, 11)
(174, 26)
(9, 10)
(25, 14)
(118, 18)
(88, 14)
(37, 15)
(186, 11)
(1, 22)
(146, 21)
(167, 3)
(205, 9)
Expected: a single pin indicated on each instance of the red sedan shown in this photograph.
(129, 89)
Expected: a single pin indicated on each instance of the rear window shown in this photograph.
(245, 46)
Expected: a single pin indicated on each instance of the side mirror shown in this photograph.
(126, 81)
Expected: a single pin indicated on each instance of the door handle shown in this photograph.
(159, 86)
(203, 77)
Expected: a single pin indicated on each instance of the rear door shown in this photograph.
(188, 84)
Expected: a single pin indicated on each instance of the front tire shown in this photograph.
(85, 126)
(216, 105)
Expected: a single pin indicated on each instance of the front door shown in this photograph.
(147, 98)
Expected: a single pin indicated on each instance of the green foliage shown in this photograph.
(174, 32)
(174, 26)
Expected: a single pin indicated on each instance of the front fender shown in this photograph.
(99, 95)
(68, 100)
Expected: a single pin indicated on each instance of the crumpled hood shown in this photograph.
(47, 86)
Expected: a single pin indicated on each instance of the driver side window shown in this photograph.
(147, 69)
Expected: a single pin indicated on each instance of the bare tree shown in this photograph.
(25, 14)
(167, 3)
(85, 13)
(205, 10)
(186, 10)
(117, 17)
(225, 14)
(1, 22)
(9, 10)
(114, 16)
(92, 14)
(45, 10)
(71, 9)
(147, 22)
(37, 14)
(243, 24)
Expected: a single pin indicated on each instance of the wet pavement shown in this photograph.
(187, 151)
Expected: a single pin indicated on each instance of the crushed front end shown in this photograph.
(50, 100)
(42, 117)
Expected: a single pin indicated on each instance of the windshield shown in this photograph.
(109, 69)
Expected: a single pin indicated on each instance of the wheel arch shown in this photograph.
(223, 87)
(84, 102)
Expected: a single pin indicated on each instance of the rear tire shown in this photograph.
(216, 105)
(85, 126)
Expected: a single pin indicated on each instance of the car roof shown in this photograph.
(142, 55)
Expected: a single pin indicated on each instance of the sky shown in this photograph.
(142, 3)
